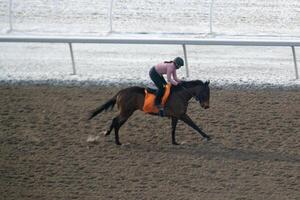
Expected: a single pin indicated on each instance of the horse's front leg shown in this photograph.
(186, 119)
(174, 124)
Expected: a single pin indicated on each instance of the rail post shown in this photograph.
(186, 61)
(295, 62)
(10, 17)
(110, 15)
(72, 58)
(210, 17)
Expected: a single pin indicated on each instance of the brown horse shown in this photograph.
(131, 99)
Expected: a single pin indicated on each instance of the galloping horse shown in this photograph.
(131, 99)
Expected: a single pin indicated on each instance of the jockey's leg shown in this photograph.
(160, 83)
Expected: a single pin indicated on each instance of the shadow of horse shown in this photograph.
(213, 150)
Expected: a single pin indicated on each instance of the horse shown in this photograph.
(130, 99)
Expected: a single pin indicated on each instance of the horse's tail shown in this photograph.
(109, 104)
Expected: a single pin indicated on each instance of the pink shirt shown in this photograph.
(170, 70)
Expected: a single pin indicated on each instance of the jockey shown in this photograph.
(156, 74)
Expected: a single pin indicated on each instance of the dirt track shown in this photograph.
(254, 154)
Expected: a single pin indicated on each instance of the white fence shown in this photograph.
(180, 41)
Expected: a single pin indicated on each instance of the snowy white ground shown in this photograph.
(109, 64)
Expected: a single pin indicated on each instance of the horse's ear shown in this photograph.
(207, 82)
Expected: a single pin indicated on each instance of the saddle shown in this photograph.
(151, 90)
(150, 93)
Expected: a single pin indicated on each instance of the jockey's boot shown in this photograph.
(161, 111)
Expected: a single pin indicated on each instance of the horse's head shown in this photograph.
(203, 94)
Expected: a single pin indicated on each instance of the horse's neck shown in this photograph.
(187, 93)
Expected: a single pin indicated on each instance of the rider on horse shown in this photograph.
(156, 74)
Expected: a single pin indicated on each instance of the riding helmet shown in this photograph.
(178, 62)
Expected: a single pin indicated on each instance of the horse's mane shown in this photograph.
(192, 83)
(187, 84)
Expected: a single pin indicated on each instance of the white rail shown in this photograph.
(167, 41)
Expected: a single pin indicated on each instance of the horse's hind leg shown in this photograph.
(116, 124)
(119, 123)
(111, 126)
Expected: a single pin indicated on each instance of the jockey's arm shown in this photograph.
(170, 73)
(175, 77)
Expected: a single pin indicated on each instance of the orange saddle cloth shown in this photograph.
(149, 100)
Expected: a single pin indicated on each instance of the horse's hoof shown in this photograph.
(208, 138)
(175, 143)
(106, 133)
(118, 143)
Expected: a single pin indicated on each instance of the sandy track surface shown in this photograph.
(254, 154)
